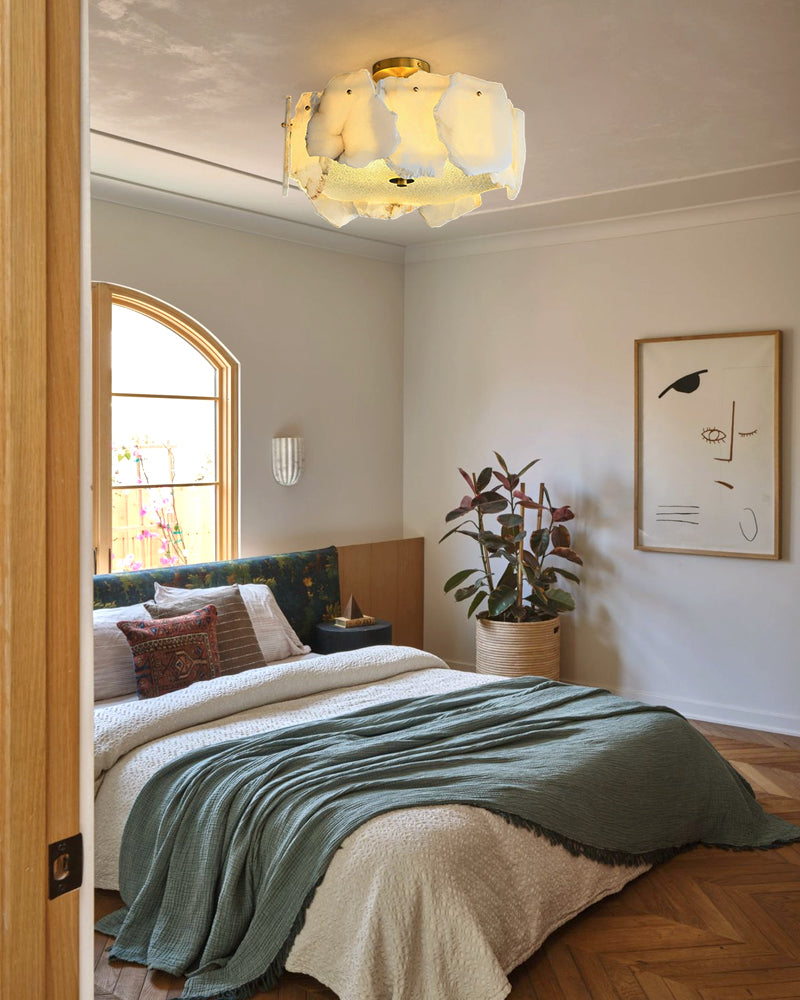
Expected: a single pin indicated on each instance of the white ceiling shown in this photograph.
(618, 94)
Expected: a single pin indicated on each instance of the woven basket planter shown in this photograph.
(514, 649)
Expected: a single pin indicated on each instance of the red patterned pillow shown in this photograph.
(172, 653)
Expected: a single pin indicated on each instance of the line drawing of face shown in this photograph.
(711, 434)
(707, 479)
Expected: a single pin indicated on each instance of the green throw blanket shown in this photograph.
(225, 846)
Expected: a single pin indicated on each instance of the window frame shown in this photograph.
(104, 295)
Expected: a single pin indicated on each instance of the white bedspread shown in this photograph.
(420, 904)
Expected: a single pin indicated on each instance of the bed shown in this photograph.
(431, 902)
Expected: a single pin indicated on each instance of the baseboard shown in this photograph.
(703, 711)
(710, 711)
(459, 665)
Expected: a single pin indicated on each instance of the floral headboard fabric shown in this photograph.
(305, 584)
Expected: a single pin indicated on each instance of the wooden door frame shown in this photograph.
(40, 157)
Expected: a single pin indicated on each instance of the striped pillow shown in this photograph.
(275, 635)
(238, 645)
(113, 661)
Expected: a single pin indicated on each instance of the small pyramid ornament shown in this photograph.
(352, 615)
(351, 609)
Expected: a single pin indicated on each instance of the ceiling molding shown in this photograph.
(195, 209)
(163, 180)
(167, 182)
(699, 216)
(181, 206)
(644, 199)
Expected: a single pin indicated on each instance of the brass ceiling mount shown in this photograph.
(398, 66)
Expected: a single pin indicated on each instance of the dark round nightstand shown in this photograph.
(330, 638)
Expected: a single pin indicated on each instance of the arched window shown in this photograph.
(165, 436)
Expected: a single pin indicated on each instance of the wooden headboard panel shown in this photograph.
(386, 579)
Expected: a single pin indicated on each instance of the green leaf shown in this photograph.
(502, 462)
(459, 529)
(470, 534)
(522, 472)
(488, 495)
(539, 541)
(457, 578)
(566, 574)
(531, 575)
(458, 512)
(561, 599)
(511, 520)
(539, 596)
(490, 538)
(476, 602)
(508, 581)
(465, 592)
(483, 478)
(500, 599)
(492, 506)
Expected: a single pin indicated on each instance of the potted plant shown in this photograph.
(518, 632)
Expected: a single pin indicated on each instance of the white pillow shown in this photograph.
(267, 618)
(114, 674)
(277, 640)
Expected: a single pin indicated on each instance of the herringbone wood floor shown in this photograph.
(707, 925)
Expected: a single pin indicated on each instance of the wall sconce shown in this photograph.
(287, 460)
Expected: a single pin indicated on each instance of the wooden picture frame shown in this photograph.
(706, 481)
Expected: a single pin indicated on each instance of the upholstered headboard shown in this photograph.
(305, 584)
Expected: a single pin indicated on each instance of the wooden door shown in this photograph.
(39, 487)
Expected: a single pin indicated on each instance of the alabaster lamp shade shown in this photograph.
(402, 139)
(288, 460)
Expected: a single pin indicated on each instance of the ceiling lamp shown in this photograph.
(401, 139)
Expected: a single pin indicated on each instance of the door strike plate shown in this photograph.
(65, 865)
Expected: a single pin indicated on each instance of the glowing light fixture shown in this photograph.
(401, 139)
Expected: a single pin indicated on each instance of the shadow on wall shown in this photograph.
(590, 631)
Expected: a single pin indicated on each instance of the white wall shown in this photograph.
(531, 352)
(319, 337)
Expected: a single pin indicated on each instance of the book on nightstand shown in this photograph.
(352, 622)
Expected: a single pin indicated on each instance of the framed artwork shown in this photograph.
(708, 444)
